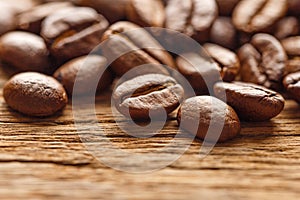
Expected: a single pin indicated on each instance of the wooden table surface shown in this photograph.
(45, 158)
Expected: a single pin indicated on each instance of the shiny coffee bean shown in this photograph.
(251, 102)
(89, 67)
(113, 12)
(151, 94)
(226, 6)
(7, 19)
(227, 61)
(197, 114)
(32, 19)
(263, 61)
(129, 46)
(201, 72)
(25, 51)
(192, 17)
(73, 32)
(292, 48)
(146, 13)
(224, 33)
(35, 94)
(258, 15)
(292, 84)
(286, 27)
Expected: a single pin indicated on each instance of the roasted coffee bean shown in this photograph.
(294, 7)
(31, 20)
(292, 48)
(226, 6)
(113, 12)
(251, 102)
(89, 68)
(25, 51)
(227, 61)
(146, 13)
(152, 94)
(73, 32)
(263, 61)
(198, 114)
(7, 20)
(192, 17)
(19, 6)
(35, 94)
(224, 33)
(130, 46)
(258, 15)
(202, 73)
(292, 84)
(286, 27)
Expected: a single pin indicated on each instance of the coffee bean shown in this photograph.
(254, 16)
(294, 7)
(73, 32)
(251, 102)
(35, 94)
(113, 12)
(201, 72)
(286, 27)
(89, 67)
(31, 20)
(146, 13)
(292, 45)
(19, 6)
(292, 84)
(25, 51)
(198, 114)
(148, 94)
(192, 17)
(7, 20)
(227, 61)
(292, 48)
(129, 46)
(226, 6)
(224, 33)
(263, 61)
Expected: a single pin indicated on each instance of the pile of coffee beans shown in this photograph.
(249, 60)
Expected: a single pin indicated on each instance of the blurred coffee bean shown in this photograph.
(146, 13)
(251, 102)
(294, 7)
(112, 11)
(292, 48)
(128, 46)
(83, 70)
(201, 72)
(286, 27)
(192, 17)
(227, 61)
(31, 20)
(224, 33)
(226, 6)
(73, 32)
(19, 6)
(7, 19)
(258, 15)
(292, 84)
(25, 51)
(263, 61)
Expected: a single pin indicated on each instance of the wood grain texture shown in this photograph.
(45, 158)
